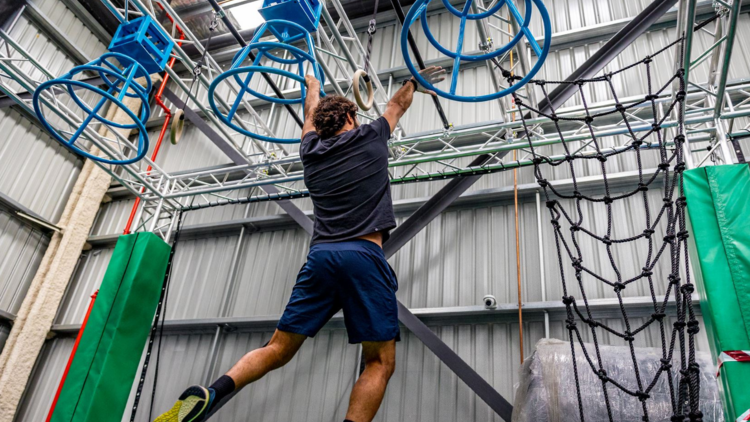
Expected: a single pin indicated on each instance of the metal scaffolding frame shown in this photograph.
(462, 153)
(417, 157)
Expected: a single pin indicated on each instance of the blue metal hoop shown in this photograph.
(243, 75)
(122, 83)
(419, 9)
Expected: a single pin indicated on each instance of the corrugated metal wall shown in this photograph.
(464, 254)
(22, 249)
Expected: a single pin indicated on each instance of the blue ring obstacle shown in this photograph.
(243, 75)
(120, 82)
(419, 10)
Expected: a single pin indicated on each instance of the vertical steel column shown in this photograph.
(685, 25)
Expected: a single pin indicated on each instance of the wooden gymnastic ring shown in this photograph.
(178, 127)
(370, 92)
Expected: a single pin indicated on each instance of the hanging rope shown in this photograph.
(161, 309)
(178, 124)
(365, 74)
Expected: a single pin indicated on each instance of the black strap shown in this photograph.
(199, 64)
(370, 32)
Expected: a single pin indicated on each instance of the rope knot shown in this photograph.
(602, 374)
(658, 316)
(551, 204)
(642, 187)
(648, 232)
(655, 127)
(680, 96)
(608, 200)
(693, 327)
(537, 161)
(601, 157)
(568, 300)
(571, 325)
(642, 396)
(619, 107)
(619, 287)
(673, 279)
(663, 166)
(588, 119)
(687, 289)
(606, 240)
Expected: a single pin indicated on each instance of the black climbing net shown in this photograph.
(670, 243)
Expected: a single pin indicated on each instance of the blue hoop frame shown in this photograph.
(247, 72)
(121, 83)
(419, 9)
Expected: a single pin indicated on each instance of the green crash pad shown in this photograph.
(718, 203)
(104, 367)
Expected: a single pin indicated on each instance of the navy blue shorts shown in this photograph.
(352, 275)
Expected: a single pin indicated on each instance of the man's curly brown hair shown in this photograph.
(330, 115)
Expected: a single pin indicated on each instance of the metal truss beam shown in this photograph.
(506, 312)
(402, 208)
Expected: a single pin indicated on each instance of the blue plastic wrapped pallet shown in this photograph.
(144, 41)
(305, 13)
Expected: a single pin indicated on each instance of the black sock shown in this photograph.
(223, 387)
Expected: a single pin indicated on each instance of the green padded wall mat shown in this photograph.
(718, 202)
(104, 367)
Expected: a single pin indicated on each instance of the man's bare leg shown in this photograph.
(257, 363)
(368, 391)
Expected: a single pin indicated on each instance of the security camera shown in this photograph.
(489, 302)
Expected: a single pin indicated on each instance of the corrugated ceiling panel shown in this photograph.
(268, 267)
(464, 255)
(112, 217)
(73, 29)
(183, 360)
(35, 170)
(85, 281)
(42, 386)
(199, 277)
(313, 387)
(22, 249)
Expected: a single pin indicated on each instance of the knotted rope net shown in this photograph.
(664, 233)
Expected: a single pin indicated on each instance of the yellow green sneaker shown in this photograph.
(192, 406)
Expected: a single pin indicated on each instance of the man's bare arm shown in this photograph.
(311, 103)
(398, 104)
(401, 102)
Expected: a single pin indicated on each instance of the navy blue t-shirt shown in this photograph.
(347, 176)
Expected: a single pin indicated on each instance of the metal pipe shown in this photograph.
(72, 355)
